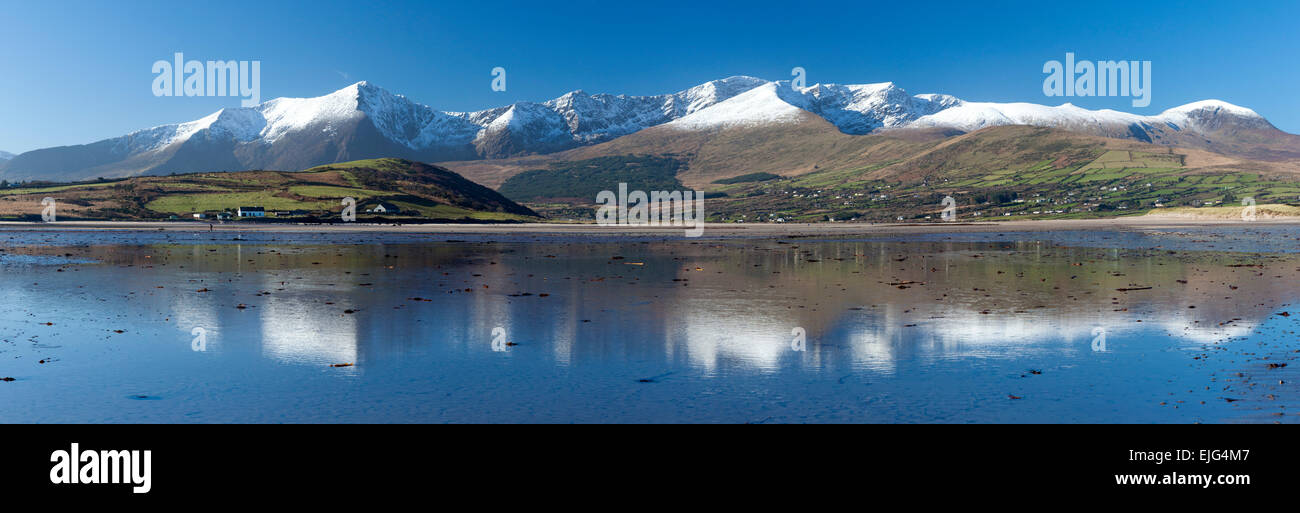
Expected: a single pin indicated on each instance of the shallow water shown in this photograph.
(1016, 327)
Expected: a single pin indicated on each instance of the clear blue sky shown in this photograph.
(76, 72)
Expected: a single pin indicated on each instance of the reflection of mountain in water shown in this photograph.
(884, 302)
(710, 305)
(299, 330)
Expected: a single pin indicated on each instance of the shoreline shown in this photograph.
(711, 230)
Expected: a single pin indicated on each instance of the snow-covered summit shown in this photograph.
(1212, 106)
(865, 108)
(583, 118)
(976, 115)
(578, 118)
(766, 104)
(364, 120)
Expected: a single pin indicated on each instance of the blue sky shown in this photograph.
(76, 72)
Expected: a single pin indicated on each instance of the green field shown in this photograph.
(217, 202)
(15, 191)
(422, 191)
(1091, 184)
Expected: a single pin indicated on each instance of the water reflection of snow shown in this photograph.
(297, 330)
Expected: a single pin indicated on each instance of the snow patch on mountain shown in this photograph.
(854, 108)
(976, 115)
(268, 121)
(595, 118)
(1216, 106)
(762, 105)
(710, 93)
(1209, 115)
(533, 120)
(864, 108)
(4, 155)
(285, 115)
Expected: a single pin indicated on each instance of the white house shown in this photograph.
(383, 208)
(251, 212)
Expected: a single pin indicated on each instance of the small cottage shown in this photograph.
(383, 208)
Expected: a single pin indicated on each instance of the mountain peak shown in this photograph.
(739, 79)
(766, 104)
(1215, 106)
(359, 91)
(733, 82)
(364, 84)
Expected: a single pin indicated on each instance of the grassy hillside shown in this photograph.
(420, 190)
(1014, 172)
(583, 179)
(751, 177)
(784, 150)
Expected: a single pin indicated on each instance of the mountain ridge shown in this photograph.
(363, 120)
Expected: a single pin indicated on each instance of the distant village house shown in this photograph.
(383, 208)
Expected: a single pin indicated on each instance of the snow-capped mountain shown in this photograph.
(853, 109)
(366, 121)
(4, 155)
(879, 108)
(867, 108)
